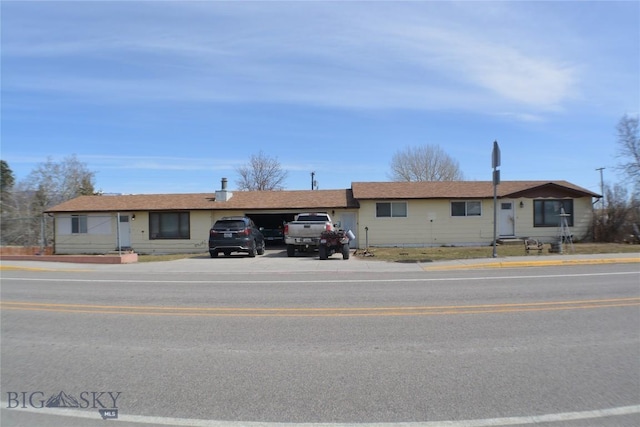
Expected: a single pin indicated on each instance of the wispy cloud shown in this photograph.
(169, 163)
(310, 53)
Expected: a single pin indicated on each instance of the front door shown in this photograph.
(124, 228)
(348, 222)
(506, 219)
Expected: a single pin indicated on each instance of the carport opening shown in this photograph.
(272, 225)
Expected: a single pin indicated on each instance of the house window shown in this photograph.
(391, 209)
(466, 208)
(546, 213)
(169, 225)
(78, 224)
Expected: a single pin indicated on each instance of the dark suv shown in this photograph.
(235, 234)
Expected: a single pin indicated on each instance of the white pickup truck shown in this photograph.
(303, 234)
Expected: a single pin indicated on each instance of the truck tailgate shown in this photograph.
(306, 229)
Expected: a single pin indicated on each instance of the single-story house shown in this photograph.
(379, 213)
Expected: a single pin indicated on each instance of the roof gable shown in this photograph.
(553, 189)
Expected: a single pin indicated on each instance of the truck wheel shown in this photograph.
(291, 250)
(345, 251)
(214, 254)
(322, 252)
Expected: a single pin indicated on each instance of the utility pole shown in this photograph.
(601, 186)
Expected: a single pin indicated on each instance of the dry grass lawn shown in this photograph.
(451, 253)
(447, 253)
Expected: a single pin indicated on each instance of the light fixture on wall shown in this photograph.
(521, 204)
(133, 217)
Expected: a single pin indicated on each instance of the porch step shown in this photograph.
(510, 241)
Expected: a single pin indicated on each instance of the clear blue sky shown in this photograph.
(166, 97)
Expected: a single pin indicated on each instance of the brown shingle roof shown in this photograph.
(303, 199)
(309, 200)
(454, 189)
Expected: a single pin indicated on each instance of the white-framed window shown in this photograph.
(466, 208)
(391, 209)
(78, 224)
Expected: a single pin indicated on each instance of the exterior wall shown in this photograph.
(104, 239)
(199, 224)
(582, 216)
(101, 236)
(99, 239)
(429, 223)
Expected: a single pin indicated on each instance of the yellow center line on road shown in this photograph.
(320, 311)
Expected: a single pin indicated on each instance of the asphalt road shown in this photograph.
(191, 344)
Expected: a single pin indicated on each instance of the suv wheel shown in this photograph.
(253, 250)
(261, 249)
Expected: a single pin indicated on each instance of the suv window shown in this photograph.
(228, 224)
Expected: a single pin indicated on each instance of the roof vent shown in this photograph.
(223, 195)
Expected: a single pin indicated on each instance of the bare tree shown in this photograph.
(620, 220)
(629, 148)
(61, 181)
(261, 173)
(424, 163)
(49, 184)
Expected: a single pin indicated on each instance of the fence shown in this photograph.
(26, 250)
(31, 233)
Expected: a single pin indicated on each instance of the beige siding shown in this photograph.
(199, 222)
(89, 243)
(92, 242)
(583, 218)
(429, 223)
(582, 215)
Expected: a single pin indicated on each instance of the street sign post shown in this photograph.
(495, 164)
